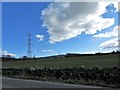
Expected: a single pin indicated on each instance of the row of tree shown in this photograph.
(10, 58)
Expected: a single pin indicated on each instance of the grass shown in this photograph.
(87, 61)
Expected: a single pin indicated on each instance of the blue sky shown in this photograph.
(54, 29)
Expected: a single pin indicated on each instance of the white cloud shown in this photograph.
(105, 3)
(47, 50)
(3, 52)
(113, 33)
(93, 52)
(40, 37)
(96, 51)
(67, 20)
(110, 44)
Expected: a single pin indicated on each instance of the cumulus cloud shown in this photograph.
(47, 50)
(67, 20)
(3, 52)
(110, 44)
(40, 37)
(113, 33)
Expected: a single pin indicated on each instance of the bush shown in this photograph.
(95, 75)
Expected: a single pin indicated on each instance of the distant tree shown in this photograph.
(117, 51)
(34, 56)
(3, 56)
(113, 52)
(24, 57)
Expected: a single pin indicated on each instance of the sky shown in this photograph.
(59, 27)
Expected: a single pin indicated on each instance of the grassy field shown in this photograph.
(88, 61)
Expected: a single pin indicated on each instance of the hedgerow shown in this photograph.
(82, 75)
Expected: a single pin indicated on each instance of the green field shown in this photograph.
(88, 61)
